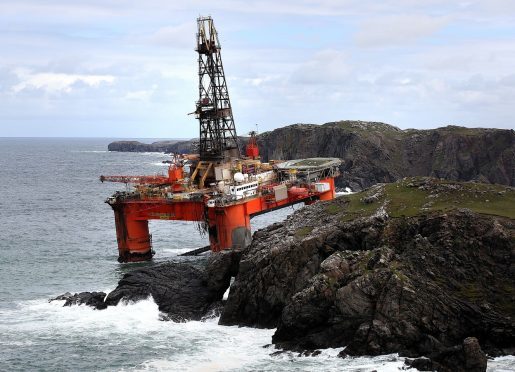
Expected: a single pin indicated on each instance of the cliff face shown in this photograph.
(414, 267)
(378, 152)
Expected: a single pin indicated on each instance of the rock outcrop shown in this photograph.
(415, 267)
(182, 290)
(93, 299)
(467, 357)
(378, 152)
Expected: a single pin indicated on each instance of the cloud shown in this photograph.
(51, 82)
(398, 30)
(141, 95)
(175, 36)
(324, 67)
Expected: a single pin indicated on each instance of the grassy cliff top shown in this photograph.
(422, 195)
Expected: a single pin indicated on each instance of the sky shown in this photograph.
(128, 69)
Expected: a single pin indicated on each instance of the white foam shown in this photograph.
(191, 346)
(152, 154)
(347, 191)
(226, 294)
(502, 364)
(40, 316)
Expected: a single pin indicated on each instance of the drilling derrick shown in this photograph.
(217, 131)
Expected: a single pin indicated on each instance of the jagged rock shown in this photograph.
(181, 290)
(93, 299)
(467, 357)
(416, 285)
(220, 268)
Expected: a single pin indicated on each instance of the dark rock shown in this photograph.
(181, 290)
(467, 357)
(93, 299)
(475, 358)
(220, 268)
(421, 364)
(327, 281)
(377, 152)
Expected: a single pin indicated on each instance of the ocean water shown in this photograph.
(57, 235)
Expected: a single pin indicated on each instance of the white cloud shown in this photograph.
(395, 30)
(175, 36)
(141, 95)
(51, 82)
(324, 67)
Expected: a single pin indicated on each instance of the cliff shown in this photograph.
(378, 152)
(414, 267)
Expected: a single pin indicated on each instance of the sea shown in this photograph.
(57, 235)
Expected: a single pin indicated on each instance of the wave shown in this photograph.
(147, 343)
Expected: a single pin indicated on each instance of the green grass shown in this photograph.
(405, 199)
(471, 292)
(333, 209)
(303, 232)
(356, 208)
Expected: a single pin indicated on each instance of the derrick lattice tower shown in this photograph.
(218, 141)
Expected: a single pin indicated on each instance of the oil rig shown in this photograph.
(220, 188)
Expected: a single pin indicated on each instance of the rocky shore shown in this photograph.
(421, 267)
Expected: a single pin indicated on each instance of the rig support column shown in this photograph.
(134, 240)
(229, 227)
(331, 194)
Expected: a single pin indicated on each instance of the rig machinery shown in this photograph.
(222, 189)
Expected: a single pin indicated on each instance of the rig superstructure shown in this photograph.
(219, 188)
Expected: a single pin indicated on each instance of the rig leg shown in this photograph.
(331, 194)
(229, 227)
(134, 240)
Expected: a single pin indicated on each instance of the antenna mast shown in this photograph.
(218, 141)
